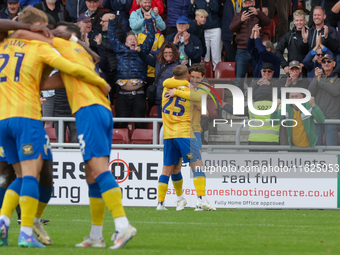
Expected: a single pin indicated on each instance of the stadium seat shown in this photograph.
(270, 31)
(225, 70)
(153, 112)
(120, 136)
(68, 140)
(212, 109)
(208, 69)
(51, 134)
(142, 136)
(299, 5)
(113, 110)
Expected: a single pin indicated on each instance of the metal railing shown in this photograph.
(61, 143)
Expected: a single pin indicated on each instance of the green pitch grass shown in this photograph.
(187, 232)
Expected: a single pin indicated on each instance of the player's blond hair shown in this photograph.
(201, 12)
(180, 72)
(299, 13)
(32, 15)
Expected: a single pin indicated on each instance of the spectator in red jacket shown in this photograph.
(154, 3)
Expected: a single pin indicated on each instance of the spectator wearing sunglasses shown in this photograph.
(294, 78)
(314, 57)
(267, 73)
(325, 87)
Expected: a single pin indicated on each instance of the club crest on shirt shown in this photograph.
(190, 155)
(27, 149)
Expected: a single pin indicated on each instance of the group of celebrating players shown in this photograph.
(26, 58)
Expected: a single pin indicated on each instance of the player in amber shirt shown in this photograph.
(23, 136)
(179, 139)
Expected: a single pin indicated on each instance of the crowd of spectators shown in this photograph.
(140, 41)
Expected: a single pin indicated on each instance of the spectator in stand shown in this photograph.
(176, 9)
(131, 71)
(121, 9)
(136, 19)
(262, 52)
(94, 13)
(212, 28)
(292, 41)
(87, 32)
(189, 46)
(154, 4)
(267, 134)
(328, 33)
(282, 9)
(241, 25)
(303, 134)
(75, 8)
(334, 20)
(53, 8)
(196, 28)
(11, 11)
(294, 78)
(326, 4)
(166, 59)
(264, 5)
(159, 40)
(325, 87)
(2, 4)
(108, 60)
(267, 73)
(230, 7)
(314, 58)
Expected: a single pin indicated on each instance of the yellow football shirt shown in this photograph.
(80, 94)
(177, 112)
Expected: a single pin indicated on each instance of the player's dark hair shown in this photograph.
(180, 71)
(197, 68)
(71, 27)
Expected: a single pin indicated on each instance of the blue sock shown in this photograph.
(30, 187)
(45, 194)
(2, 194)
(16, 185)
(106, 181)
(94, 190)
(198, 173)
(176, 177)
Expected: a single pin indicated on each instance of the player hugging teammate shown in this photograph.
(181, 113)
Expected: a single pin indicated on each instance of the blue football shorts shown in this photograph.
(24, 139)
(95, 128)
(175, 148)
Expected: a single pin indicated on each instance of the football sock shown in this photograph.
(44, 197)
(177, 181)
(27, 230)
(96, 232)
(199, 182)
(2, 195)
(29, 199)
(162, 187)
(97, 206)
(121, 223)
(111, 194)
(11, 200)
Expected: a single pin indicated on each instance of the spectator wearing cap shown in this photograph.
(159, 40)
(85, 24)
(301, 132)
(325, 87)
(262, 51)
(261, 131)
(94, 13)
(267, 73)
(242, 25)
(53, 8)
(136, 19)
(131, 71)
(294, 77)
(75, 8)
(188, 45)
(329, 35)
(212, 28)
(159, 4)
(108, 60)
(314, 57)
(11, 11)
(292, 41)
(121, 9)
(196, 27)
(176, 9)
